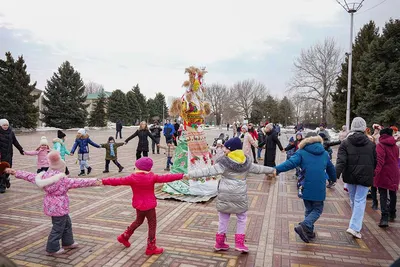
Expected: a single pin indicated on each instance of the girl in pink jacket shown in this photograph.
(56, 184)
(41, 152)
(143, 200)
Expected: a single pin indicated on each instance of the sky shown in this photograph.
(123, 43)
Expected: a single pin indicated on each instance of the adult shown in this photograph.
(238, 129)
(254, 135)
(277, 129)
(176, 133)
(377, 128)
(261, 139)
(343, 133)
(7, 140)
(234, 128)
(248, 141)
(374, 138)
(168, 131)
(322, 129)
(271, 141)
(227, 127)
(155, 130)
(356, 163)
(119, 129)
(143, 146)
(387, 175)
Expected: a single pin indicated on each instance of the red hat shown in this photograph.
(394, 128)
(144, 164)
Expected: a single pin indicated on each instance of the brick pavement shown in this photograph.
(185, 230)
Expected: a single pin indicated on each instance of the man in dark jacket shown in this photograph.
(356, 162)
(176, 133)
(155, 130)
(119, 129)
(7, 140)
(168, 131)
(271, 141)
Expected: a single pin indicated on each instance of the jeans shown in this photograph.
(169, 162)
(62, 229)
(139, 154)
(224, 222)
(83, 164)
(259, 150)
(313, 212)
(358, 200)
(385, 210)
(153, 145)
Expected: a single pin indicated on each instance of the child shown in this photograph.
(82, 140)
(314, 160)
(55, 184)
(234, 167)
(295, 145)
(111, 154)
(143, 200)
(59, 145)
(41, 153)
(290, 149)
(170, 151)
(327, 146)
(218, 149)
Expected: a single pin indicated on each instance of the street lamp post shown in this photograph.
(351, 8)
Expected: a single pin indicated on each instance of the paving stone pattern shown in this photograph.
(185, 230)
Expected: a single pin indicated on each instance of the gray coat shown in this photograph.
(232, 187)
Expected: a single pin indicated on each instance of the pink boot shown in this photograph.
(124, 237)
(239, 243)
(220, 242)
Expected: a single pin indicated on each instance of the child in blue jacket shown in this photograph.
(83, 141)
(317, 166)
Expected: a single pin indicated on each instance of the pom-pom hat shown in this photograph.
(144, 164)
(55, 161)
(233, 144)
(43, 141)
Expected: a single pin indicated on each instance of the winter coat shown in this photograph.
(118, 126)
(232, 187)
(254, 134)
(294, 146)
(143, 144)
(41, 154)
(325, 132)
(156, 130)
(7, 140)
(56, 200)
(58, 145)
(176, 128)
(261, 137)
(168, 130)
(108, 150)
(356, 160)
(248, 142)
(315, 162)
(271, 141)
(387, 173)
(142, 184)
(83, 142)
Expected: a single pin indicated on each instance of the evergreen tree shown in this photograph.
(365, 36)
(159, 105)
(133, 107)
(378, 78)
(271, 109)
(257, 111)
(141, 99)
(286, 111)
(151, 107)
(118, 107)
(17, 100)
(98, 116)
(64, 99)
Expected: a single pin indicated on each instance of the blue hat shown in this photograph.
(233, 144)
(291, 139)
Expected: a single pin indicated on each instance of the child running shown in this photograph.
(170, 151)
(55, 184)
(111, 154)
(82, 140)
(59, 145)
(143, 200)
(232, 198)
(41, 153)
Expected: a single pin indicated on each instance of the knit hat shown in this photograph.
(144, 164)
(300, 133)
(55, 161)
(233, 144)
(4, 122)
(244, 127)
(43, 141)
(358, 125)
(291, 139)
(60, 134)
(395, 129)
(111, 139)
(323, 136)
(82, 131)
(311, 134)
(322, 125)
(387, 131)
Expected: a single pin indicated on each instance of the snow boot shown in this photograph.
(89, 170)
(152, 249)
(220, 242)
(384, 221)
(392, 216)
(124, 237)
(374, 204)
(239, 243)
(82, 173)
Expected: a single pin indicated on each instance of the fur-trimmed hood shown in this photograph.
(233, 165)
(80, 136)
(40, 182)
(313, 145)
(57, 140)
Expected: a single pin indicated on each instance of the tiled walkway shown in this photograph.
(185, 230)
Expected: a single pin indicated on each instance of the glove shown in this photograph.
(21, 152)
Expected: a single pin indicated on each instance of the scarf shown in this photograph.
(112, 153)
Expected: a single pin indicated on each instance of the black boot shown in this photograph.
(2, 189)
(375, 204)
(89, 170)
(120, 168)
(392, 216)
(384, 220)
(106, 171)
(82, 173)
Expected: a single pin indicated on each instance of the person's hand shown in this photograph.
(158, 145)
(125, 143)
(99, 182)
(10, 171)
(283, 151)
(274, 173)
(22, 152)
(185, 177)
(71, 154)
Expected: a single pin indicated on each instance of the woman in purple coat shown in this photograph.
(387, 175)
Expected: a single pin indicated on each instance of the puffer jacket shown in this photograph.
(58, 145)
(83, 142)
(41, 154)
(356, 160)
(7, 140)
(232, 187)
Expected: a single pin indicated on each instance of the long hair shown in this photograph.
(145, 127)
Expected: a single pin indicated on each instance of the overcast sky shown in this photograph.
(122, 43)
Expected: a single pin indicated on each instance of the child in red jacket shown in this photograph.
(143, 200)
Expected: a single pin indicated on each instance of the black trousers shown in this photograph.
(253, 150)
(139, 154)
(374, 194)
(62, 229)
(108, 164)
(153, 145)
(5, 178)
(385, 208)
(120, 134)
(43, 169)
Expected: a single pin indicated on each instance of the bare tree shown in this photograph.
(315, 73)
(217, 95)
(245, 92)
(93, 88)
